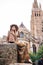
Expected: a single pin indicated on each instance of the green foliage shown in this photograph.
(33, 57)
(38, 54)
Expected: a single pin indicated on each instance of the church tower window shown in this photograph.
(35, 14)
(39, 14)
(42, 30)
(42, 22)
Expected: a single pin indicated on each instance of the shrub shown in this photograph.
(38, 54)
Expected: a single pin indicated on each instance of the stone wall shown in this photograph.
(8, 53)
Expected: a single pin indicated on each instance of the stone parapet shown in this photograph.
(8, 53)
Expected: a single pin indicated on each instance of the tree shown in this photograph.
(36, 56)
(33, 57)
(40, 52)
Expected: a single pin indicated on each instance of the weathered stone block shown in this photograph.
(8, 53)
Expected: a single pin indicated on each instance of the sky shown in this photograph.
(15, 12)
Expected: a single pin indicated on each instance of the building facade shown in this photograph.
(24, 36)
(37, 21)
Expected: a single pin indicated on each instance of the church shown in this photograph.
(37, 21)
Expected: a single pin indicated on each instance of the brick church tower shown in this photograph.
(37, 21)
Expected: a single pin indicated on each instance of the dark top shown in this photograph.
(40, 62)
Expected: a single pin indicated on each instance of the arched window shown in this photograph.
(39, 14)
(21, 34)
(42, 22)
(35, 14)
(34, 48)
(42, 26)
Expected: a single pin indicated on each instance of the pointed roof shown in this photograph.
(22, 25)
(23, 28)
(35, 4)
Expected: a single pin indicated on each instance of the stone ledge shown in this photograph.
(8, 52)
